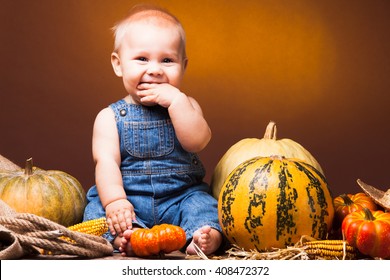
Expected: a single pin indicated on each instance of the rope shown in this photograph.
(38, 234)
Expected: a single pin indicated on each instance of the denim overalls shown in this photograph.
(162, 181)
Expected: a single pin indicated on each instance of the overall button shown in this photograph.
(123, 112)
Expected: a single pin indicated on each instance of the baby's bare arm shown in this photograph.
(191, 127)
(105, 149)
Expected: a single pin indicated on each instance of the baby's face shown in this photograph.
(150, 54)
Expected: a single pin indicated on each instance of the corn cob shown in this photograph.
(95, 227)
(330, 249)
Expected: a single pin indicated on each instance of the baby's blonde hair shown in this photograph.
(147, 13)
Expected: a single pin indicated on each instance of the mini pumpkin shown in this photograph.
(270, 202)
(164, 238)
(345, 204)
(249, 148)
(369, 232)
(52, 194)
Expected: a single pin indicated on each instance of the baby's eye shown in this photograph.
(167, 60)
(141, 58)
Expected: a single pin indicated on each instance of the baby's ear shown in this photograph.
(116, 64)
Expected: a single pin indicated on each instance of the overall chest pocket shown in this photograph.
(149, 139)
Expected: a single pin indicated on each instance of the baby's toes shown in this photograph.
(205, 238)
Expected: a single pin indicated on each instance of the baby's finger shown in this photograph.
(121, 224)
(118, 230)
(129, 219)
(115, 225)
(144, 93)
(145, 86)
(111, 226)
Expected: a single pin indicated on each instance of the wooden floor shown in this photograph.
(177, 255)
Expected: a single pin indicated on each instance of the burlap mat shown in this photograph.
(10, 246)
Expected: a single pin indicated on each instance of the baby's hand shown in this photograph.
(120, 214)
(161, 94)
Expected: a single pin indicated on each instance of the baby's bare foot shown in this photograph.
(207, 239)
(125, 246)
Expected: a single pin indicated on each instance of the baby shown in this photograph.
(145, 145)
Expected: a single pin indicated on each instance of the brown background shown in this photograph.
(320, 69)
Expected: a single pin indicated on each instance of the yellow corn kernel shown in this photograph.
(330, 249)
(95, 227)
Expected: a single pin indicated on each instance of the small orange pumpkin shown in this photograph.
(164, 238)
(345, 204)
(369, 232)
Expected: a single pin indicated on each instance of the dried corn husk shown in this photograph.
(380, 197)
(299, 251)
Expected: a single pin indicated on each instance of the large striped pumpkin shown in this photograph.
(52, 194)
(269, 202)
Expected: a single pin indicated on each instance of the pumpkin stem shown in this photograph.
(368, 214)
(28, 170)
(347, 200)
(270, 131)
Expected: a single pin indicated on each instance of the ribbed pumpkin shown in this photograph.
(345, 204)
(248, 148)
(164, 238)
(272, 201)
(52, 194)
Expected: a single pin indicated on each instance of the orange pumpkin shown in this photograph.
(164, 238)
(369, 232)
(345, 204)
